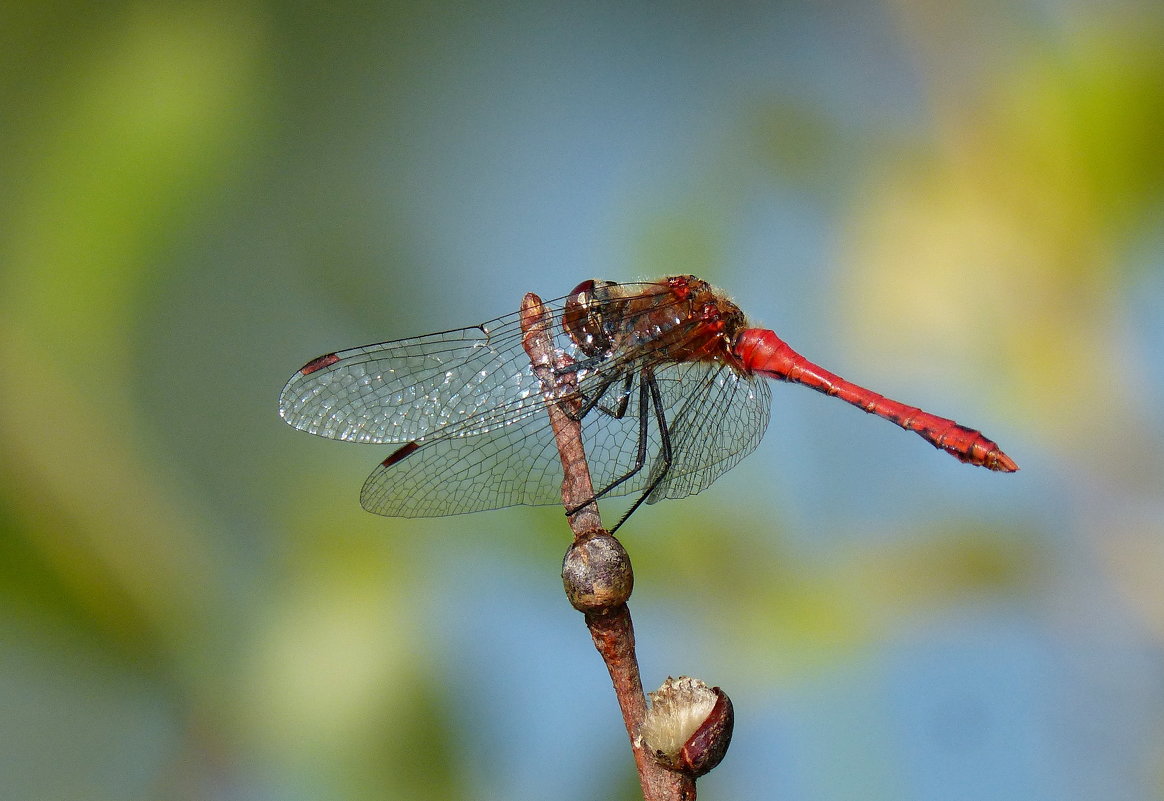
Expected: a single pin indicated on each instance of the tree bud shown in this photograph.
(596, 573)
(689, 725)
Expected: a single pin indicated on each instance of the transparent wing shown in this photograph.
(468, 379)
(514, 464)
(405, 390)
(716, 416)
(712, 427)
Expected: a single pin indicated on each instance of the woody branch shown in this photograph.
(597, 571)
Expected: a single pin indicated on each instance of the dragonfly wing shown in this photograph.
(714, 421)
(450, 474)
(715, 417)
(470, 379)
(456, 473)
(612, 445)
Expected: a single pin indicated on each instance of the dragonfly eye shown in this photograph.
(584, 288)
(583, 317)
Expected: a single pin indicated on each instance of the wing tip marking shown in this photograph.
(400, 453)
(326, 360)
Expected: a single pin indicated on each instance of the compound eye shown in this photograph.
(584, 287)
(582, 317)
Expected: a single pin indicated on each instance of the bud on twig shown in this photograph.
(689, 725)
(596, 573)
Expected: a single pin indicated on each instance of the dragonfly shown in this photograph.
(668, 381)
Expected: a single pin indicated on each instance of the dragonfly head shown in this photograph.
(584, 317)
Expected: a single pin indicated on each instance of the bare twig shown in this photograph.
(559, 386)
(610, 626)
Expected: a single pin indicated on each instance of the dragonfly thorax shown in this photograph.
(681, 318)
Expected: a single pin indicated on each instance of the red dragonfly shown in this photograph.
(667, 385)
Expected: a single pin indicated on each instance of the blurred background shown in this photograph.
(959, 205)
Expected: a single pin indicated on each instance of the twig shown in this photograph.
(610, 624)
(559, 386)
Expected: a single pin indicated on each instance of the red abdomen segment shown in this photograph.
(763, 352)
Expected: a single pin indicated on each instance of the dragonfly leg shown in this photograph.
(619, 411)
(585, 364)
(665, 453)
(640, 456)
(649, 396)
(591, 402)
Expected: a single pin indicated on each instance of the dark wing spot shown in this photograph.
(400, 453)
(318, 364)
